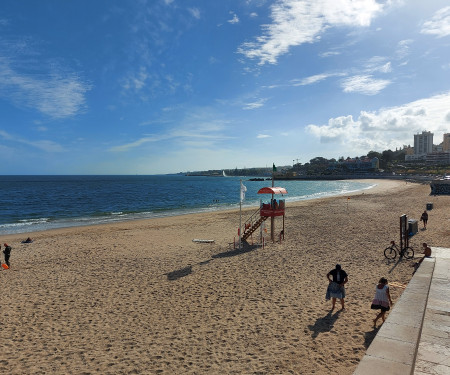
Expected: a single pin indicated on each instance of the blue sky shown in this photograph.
(162, 86)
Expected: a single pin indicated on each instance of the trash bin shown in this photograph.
(429, 206)
(413, 227)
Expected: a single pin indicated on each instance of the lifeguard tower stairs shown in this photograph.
(266, 210)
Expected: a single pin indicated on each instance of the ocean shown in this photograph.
(36, 203)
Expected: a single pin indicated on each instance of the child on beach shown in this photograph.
(7, 252)
(382, 300)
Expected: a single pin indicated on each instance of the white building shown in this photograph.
(423, 144)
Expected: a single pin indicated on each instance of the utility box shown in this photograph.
(429, 206)
(413, 227)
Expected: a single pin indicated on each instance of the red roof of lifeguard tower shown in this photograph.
(272, 190)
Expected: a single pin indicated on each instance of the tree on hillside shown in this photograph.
(319, 160)
(374, 154)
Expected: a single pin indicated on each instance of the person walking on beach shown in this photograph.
(7, 252)
(424, 219)
(382, 300)
(337, 278)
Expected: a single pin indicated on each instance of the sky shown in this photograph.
(167, 86)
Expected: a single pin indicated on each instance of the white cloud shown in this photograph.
(53, 94)
(134, 144)
(364, 84)
(317, 78)
(258, 104)
(296, 22)
(136, 80)
(44, 145)
(378, 64)
(403, 48)
(329, 54)
(387, 128)
(234, 20)
(260, 136)
(439, 24)
(386, 68)
(199, 127)
(195, 12)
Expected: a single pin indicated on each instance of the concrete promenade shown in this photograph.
(415, 338)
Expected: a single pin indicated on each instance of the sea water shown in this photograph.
(35, 203)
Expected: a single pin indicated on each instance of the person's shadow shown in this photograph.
(324, 324)
(369, 336)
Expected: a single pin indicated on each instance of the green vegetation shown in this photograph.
(389, 162)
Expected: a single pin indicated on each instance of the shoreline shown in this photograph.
(141, 296)
(76, 222)
(376, 188)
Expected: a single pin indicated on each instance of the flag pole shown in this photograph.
(240, 213)
(272, 219)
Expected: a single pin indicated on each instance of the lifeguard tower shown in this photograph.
(270, 209)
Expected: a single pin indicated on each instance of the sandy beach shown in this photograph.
(141, 297)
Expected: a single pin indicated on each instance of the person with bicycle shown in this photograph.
(382, 300)
(336, 285)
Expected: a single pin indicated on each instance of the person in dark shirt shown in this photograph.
(7, 252)
(337, 278)
(424, 219)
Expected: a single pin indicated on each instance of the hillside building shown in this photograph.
(423, 143)
(446, 143)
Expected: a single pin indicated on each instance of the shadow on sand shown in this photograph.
(226, 254)
(324, 324)
(369, 336)
(178, 274)
(182, 272)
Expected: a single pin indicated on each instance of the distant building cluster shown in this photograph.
(424, 150)
(356, 164)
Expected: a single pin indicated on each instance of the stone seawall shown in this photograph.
(440, 187)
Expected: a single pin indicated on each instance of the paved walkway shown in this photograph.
(415, 338)
(433, 355)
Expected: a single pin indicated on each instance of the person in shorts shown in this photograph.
(337, 278)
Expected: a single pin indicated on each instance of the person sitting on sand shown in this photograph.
(424, 219)
(382, 300)
(28, 240)
(336, 285)
(426, 254)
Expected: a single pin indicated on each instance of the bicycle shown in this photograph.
(391, 252)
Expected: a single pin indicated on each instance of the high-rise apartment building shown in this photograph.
(423, 143)
(446, 143)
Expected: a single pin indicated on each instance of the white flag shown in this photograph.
(243, 190)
